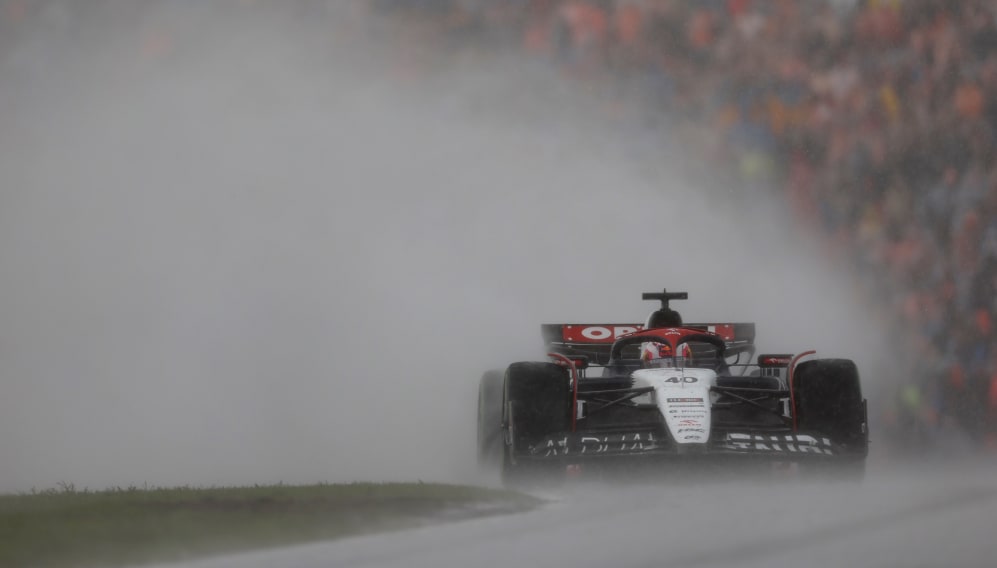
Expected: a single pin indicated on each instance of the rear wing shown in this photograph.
(595, 340)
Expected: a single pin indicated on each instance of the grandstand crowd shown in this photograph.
(875, 119)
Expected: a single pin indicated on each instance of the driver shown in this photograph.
(658, 354)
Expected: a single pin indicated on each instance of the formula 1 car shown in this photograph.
(672, 392)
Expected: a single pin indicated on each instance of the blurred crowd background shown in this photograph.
(874, 121)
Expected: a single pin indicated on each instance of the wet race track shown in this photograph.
(901, 516)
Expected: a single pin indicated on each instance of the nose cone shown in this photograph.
(683, 398)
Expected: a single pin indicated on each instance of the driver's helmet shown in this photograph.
(664, 317)
(656, 354)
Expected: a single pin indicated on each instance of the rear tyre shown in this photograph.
(537, 404)
(490, 444)
(828, 400)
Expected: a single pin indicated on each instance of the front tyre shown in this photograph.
(828, 400)
(537, 404)
(490, 444)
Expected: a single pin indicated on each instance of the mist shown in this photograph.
(267, 255)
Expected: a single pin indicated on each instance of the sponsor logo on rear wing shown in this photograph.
(607, 333)
(596, 333)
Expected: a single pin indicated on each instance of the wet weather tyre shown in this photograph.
(537, 403)
(490, 395)
(828, 400)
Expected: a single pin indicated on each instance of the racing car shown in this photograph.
(673, 392)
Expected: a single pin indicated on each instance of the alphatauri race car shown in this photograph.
(671, 392)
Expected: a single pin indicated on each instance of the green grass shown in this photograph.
(61, 528)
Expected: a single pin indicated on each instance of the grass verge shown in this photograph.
(66, 527)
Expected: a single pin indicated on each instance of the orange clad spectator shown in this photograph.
(957, 377)
(726, 117)
(588, 23)
(597, 21)
(536, 38)
(571, 15)
(969, 100)
(984, 323)
(778, 114)
(737, 8)
(701, 29)
(882, 22)
(629, 25)
(537, 31)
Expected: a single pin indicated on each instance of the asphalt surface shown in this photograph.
(901, 516)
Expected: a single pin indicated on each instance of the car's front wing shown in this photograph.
(583, 445)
